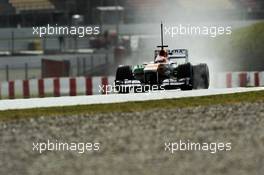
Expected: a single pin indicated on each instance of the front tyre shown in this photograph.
(185, 71)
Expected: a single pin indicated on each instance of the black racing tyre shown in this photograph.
(123, 73)
(185, 71)
(201, 76)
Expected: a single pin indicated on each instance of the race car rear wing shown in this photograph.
(178, 54)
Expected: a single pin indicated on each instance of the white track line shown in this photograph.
(114, 98)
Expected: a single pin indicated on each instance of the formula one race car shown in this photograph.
(164, 73)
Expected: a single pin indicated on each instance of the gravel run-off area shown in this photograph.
(133, 143)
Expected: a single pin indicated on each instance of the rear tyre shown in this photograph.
(201, 76)
(123, 73)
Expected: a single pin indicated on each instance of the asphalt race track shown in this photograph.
(114, 98)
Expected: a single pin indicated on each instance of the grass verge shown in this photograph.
(134, 106)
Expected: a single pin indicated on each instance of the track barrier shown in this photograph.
(54, 87)
(240, 79)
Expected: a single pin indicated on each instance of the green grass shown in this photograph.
(134, 106)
